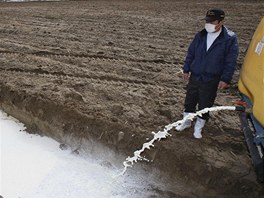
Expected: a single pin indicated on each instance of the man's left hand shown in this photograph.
(223, 85)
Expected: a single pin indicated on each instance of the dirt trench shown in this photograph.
(83, 72)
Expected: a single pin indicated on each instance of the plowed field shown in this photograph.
(82, 71)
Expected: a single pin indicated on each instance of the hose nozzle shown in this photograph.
(242, 107)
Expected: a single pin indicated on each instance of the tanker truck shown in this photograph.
(251, 87)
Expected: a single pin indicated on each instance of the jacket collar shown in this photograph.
(222, 35)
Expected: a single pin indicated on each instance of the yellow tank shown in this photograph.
(251, 82)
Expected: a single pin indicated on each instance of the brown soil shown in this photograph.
(88, 70)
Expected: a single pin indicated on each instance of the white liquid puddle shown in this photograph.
(164, 134)
(34, 167)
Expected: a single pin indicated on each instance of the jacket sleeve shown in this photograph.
(230, 60)
(190, 56)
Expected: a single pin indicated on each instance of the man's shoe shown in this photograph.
(198, 128)
(185, 124)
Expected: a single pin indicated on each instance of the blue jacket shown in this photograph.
(218, 62)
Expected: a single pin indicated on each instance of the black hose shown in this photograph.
(240, 108)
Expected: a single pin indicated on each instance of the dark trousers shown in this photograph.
(201, 93)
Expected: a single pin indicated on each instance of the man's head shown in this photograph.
(214, 20)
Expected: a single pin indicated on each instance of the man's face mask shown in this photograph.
(210, 27)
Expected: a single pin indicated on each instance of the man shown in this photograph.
(209, 65)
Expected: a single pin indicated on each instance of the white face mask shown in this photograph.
(209, 27)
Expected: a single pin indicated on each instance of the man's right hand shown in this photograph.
(185, 76)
